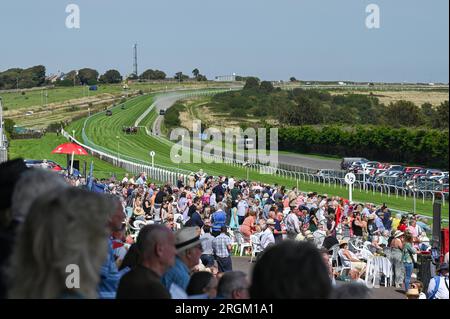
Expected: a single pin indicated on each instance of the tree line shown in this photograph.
(22, 78)
(35, 76)
(427, 147)
(318, 107)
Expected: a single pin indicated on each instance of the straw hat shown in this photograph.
(270, 221)
(138, 211)
(343, 242)
(398, 233)
(413, 292)
(186, 238)
(371, 217)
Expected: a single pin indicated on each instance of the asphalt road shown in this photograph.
(243, 264)
(164, 102)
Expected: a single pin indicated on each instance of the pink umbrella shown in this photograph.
(70, 148)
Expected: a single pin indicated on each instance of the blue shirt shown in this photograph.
(178, 274)
(110, 276)
(379, 223)
(219, 219)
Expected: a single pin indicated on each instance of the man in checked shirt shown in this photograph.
(222, 248)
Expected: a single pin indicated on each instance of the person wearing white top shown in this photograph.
(441, 292)
(231, 183)
(267, 237)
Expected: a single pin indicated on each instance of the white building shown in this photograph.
(225, 78)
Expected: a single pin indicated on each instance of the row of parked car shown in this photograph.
(48, 164)
(412, 177)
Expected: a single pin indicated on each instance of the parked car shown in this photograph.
(348, 161)
(327, 173)
(398, 168)
(374, 164)
(411, 169)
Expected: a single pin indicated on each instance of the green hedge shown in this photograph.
(426, 147)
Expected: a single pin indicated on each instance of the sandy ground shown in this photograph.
(417, 97)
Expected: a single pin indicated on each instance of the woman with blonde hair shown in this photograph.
(61, 246)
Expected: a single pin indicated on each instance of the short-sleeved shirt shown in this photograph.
(242, 208)
(207, 240)
(220, 245)
(267, 238)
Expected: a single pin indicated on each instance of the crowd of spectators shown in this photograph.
(135, 238)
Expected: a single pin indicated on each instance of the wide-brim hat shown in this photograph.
(343, 242)
(371, 217)
(266, 195)
(443, 266)
(138, 211)
(398, 233)
(413, 292)
(270, 221)
(186, 238)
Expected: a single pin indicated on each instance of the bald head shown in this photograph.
(149, 237)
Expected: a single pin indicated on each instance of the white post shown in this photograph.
(350, 179)
(71, 163)
(152, 154)
(364, 176)
(350, 188)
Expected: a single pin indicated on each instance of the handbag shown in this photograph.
(414, 259)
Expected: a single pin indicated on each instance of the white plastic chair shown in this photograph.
(256, 248)
(341, 266)
(241, 243)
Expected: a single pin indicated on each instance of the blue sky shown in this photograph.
(272, 39)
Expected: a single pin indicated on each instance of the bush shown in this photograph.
(426, 147)
(238, 113)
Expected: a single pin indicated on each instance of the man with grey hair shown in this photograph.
(189, 250)
(233, 285)
(156, 247)
(31, 185)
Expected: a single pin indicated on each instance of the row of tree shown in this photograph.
(22, 78)
(35, 76)
(426, 147)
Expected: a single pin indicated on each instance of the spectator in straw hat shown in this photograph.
(156, 247)
(349, 259)
(395, 258)
(189, 250)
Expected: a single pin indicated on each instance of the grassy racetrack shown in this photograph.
(103, 131)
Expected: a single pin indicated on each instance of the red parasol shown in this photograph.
(72, 149)
(69, 148)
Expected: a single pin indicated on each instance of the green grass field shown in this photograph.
(42, 148)
(36, 98)
(102, 130)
